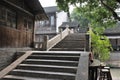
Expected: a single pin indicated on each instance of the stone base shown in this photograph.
(8, 55)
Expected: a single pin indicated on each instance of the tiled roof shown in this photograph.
(34, 7)
(70, 24)
(113, 30)
(37, 9)
(51, 9)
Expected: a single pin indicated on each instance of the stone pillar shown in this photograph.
(60, 30)
(87, 42)
(45, 43)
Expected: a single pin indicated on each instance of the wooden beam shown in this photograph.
(14, 64)
(10, 3)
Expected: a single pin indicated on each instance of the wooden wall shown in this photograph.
(20, 36)
(14, 38)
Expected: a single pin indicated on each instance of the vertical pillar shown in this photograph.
(60, 30)
(33, 34)
(87, 42)
(45, 43)
(61, 35)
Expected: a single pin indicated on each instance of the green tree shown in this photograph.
(101, 15)
(100, 46)
(64, 5)
(78, 17)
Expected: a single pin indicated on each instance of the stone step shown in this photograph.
(54, 57)
(59, 53)
(67, 49)
(71, 44)
(13, 77)
(72, 41)
(43, 74)
(51, 66)
(47, 65)
(54, 68)
(45, 62)
(74, 37)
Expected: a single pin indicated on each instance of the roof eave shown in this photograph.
(37, 9)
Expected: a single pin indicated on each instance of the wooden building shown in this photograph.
(71, 25)
(50, 27)
(114, 36)
(17, 19)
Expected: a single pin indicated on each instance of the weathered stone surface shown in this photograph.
(72, 42)
(55, 65)
(8, 55)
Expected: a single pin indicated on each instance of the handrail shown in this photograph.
(52, 42)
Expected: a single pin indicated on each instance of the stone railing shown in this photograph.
(48, 44)
(38, 45)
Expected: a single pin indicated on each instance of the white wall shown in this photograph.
(118, 11)
(61, 17)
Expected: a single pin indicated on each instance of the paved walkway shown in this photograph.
(115, 62)
(115, 56)
(115, 73)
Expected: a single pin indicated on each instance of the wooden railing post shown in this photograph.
(87, 42)
(45, 43)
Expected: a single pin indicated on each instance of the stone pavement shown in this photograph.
(115, 73)
(115, 55)
(114, 63)
(114, 60)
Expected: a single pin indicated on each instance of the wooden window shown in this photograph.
(28, 23)
(20, 3)
(11, 19)
(2, 16)
(41, 23)
(46, 23)
(52, 21)
(2, 13)
(25, 23)
(7, 17)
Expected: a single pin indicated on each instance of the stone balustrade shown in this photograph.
(48, 44)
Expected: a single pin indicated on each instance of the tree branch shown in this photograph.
(110, 9)
(118, 1)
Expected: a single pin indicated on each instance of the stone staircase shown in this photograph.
(49, 65)
(66, 61)
(72, 42)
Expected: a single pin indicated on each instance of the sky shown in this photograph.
(47, 3)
